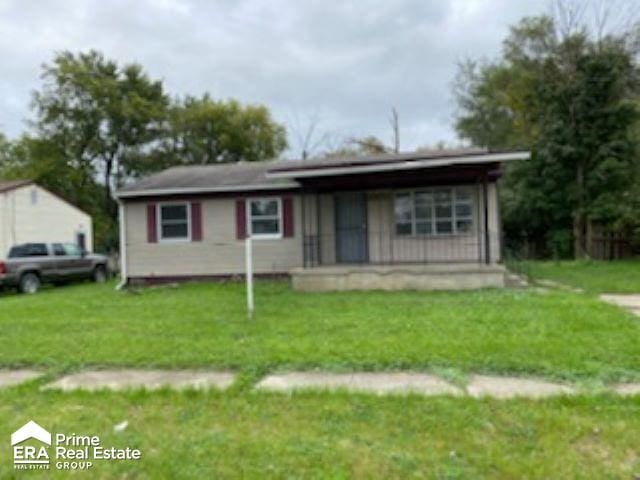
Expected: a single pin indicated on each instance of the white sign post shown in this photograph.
(248, 253)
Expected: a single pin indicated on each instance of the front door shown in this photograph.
(351, 227)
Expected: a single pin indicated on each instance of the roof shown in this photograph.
(279, 175)
(227, 177)
(395, 162)
(6, 186)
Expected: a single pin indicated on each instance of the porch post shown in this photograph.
(318, 229)
(303, 229)
(485, 204)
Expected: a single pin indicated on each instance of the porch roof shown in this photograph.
(392, 163)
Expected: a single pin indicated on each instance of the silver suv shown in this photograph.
(30, 264)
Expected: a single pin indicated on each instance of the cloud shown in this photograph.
(347, 63)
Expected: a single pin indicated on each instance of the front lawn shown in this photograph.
(319, 435)
(557, 334)
(618, 276)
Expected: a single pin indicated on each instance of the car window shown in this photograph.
(37, 250)
(58, 250)
(72, 249)
(29, 250)
(18, 251)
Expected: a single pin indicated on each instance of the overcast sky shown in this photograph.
(345, 63)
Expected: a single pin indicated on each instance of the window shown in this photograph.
(34, 196)
(58, 250)
(434, 211)
(265, 217)
(173, 220)
(71, 249)
(29, 250)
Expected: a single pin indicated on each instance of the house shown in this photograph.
(420, 220)
(29, 213)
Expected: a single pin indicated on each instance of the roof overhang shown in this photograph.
(411, 164)
(124, 194)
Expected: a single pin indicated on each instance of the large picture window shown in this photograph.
(265, 217)
(434, 211)
(173, 219)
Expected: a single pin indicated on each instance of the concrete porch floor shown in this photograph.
(449, 276)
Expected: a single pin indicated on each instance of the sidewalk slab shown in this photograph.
(147, 379)
(629, 301)
(9, 378)
(627, 389)
(511, 387)
(379, 383)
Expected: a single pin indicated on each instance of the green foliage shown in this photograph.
(99, 115)
(98, 123)
(619, 276)
(572, 101)
(205, 131)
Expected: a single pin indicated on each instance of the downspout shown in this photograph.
(123, 247)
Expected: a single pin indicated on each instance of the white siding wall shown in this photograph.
(219, 252)
(32, 214)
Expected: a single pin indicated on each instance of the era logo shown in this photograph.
(25, 455)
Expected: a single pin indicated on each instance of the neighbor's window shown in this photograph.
(434, 211)
(173, 221)
(265, 217)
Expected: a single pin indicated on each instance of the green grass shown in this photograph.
(242, 433)
(555, 334)
(619, 276)
(320, 435)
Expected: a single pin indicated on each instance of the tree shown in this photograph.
(102, 116)
(571, 101)
(204, 131)
(357, 147)
(43, 161)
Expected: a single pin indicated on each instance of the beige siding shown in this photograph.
(32, 214)
(219, 252)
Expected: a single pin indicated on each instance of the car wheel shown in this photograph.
(29, 283)
(99, 275)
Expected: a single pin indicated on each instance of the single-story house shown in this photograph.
(419, 220)
(30, 213)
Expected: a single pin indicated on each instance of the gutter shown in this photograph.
(123, 247)
(198, 190)
(393, 166)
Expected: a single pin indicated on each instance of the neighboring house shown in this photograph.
(29, 213)
(420, 220)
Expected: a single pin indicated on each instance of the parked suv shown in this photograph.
(30, 264)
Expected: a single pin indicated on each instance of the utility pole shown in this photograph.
(393, 120)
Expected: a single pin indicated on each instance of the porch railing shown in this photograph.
(385, 247)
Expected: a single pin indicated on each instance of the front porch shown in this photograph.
(460, 276)
(400, 223)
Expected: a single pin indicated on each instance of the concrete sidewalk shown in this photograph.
(378, 383)
(147, 379)
(629, 301)
(408, 382)
(9, 378)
